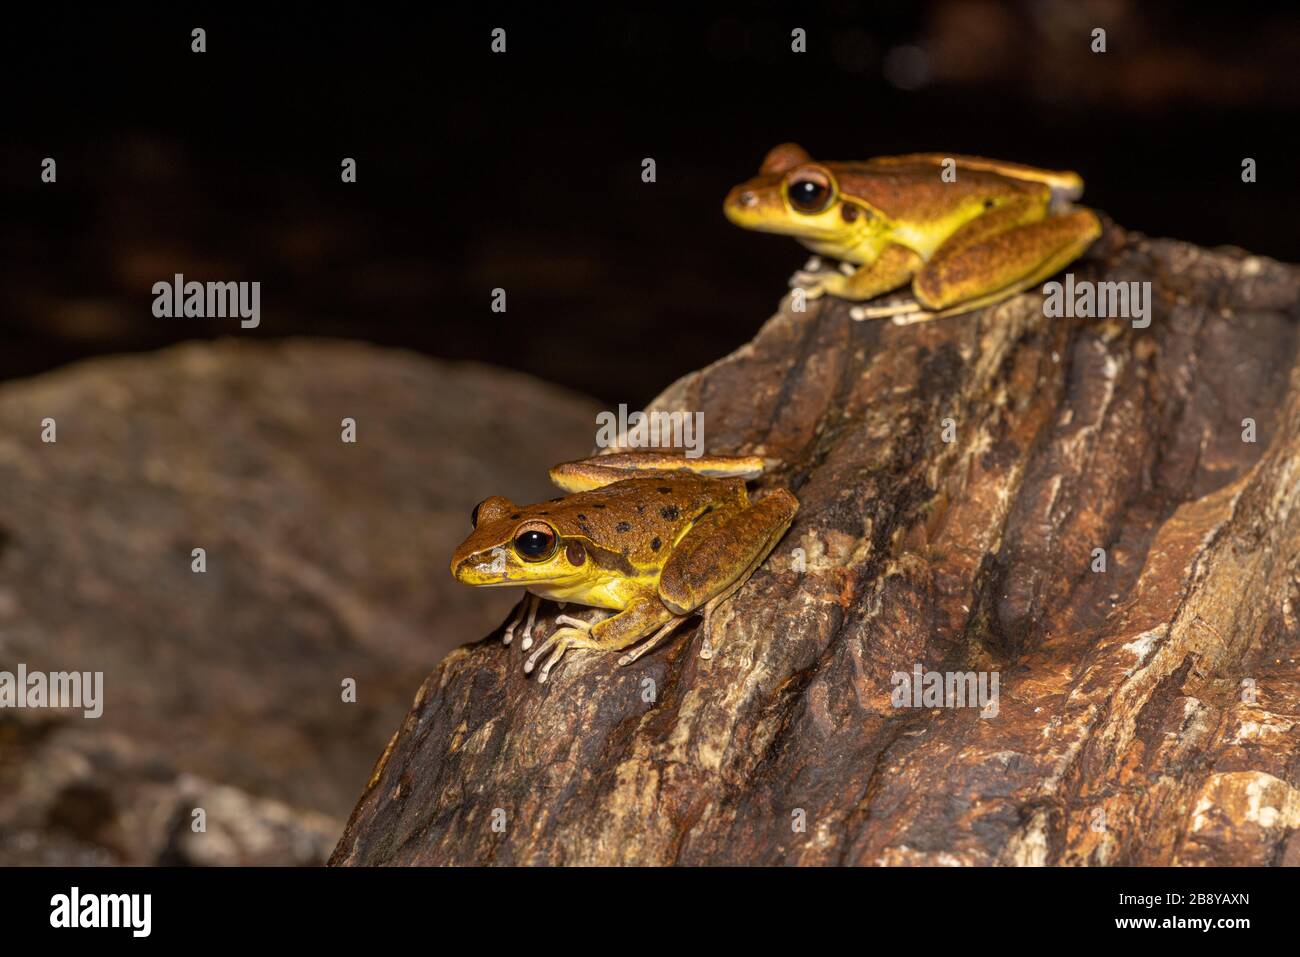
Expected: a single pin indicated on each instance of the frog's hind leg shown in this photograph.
(601, 470)
(769, 526)
(710, 564)
(981, 267)
(984, 267)
(900, 312)
(650, 643)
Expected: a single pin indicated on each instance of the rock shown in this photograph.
(84, 795)
(324, 561)
(1144, 714)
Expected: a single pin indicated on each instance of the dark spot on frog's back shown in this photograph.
(581, 517)
(664, 489)
(670, 513)
(622, 527)
(655, 543)
(516, 515)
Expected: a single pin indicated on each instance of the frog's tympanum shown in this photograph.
(965, 232)
(650, 536)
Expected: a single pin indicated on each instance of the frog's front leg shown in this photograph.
(527, 609)
(641, 617)
(991, 258)
(893, 268)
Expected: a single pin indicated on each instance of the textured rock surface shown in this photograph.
(1146, 714)
(325, 561)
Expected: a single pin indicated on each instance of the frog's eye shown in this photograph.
(535, 542)
(810, 191)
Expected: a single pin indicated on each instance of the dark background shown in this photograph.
(523, 170)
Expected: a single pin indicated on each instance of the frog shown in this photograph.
(648, 538)
(964, 232)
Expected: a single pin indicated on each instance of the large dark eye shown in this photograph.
(535, 543)
(809, 192)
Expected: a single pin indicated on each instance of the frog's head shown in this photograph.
(795, 195)
(511, 545)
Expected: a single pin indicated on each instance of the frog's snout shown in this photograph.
(740, 205)
(755, 204)
(462, 567)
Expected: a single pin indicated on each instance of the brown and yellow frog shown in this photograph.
(962, 231)
(652, 537)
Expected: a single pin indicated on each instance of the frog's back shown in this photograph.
(915, 190)
(885, 176)
(633, 515)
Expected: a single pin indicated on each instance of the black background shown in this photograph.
(522, 170)
(901, 908)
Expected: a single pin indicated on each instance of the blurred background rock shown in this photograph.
(325, 561)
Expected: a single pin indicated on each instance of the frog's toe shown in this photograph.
(556, 655)
(527, 609)
(526, 637)
(812, 284)
(545, 646)
(557, 644)
(893, 309)
(907, 318)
